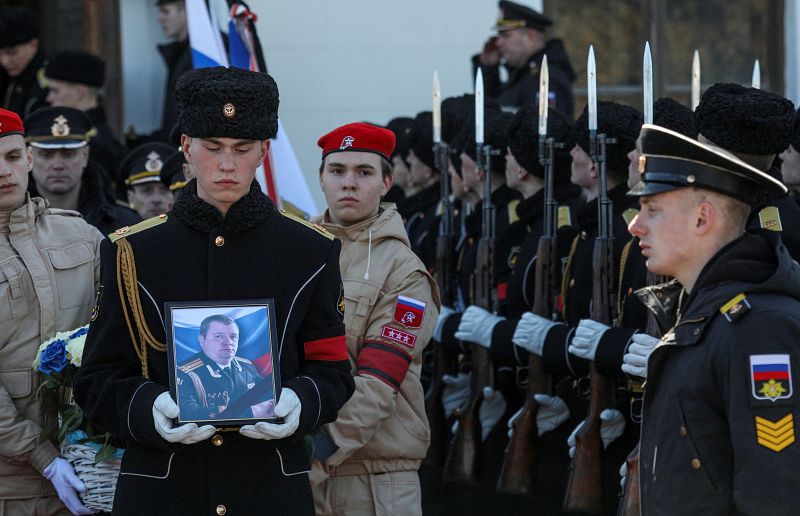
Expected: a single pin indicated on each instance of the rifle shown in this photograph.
(518, 475)
(463, 457)
(444, 362)
(630, 503)
(585, 486)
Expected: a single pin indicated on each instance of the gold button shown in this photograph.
(221, 509)
(162, 216)
(583, 235)
(572, 282)
(217, 440)
(219, 241)
(696, 463)
(683, 431)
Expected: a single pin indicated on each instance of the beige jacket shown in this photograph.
(383, 427)
(49, 274)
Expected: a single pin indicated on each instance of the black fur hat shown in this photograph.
(17, 25)
(227, 103)
(76, 66)
(615, 121)
(745, 120)
(523, 140)
(422, 138)
(673, 115)
(495, 134)
(401, 127)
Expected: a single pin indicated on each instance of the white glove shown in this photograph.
(531, 332)
(455, 392)
(67, 485)
(444, 313)
(476, 326)
(164, 411)
(288, 408)
(611, 427)
(492, 409)
(623, 473)
(552, 412)
(587, 337)
(635, 360)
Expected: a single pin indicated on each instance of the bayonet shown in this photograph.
(695, 79)
(755, 82)
(591, 85)
(544, 98)
(437, 111)
(647, 84)
(479, 110)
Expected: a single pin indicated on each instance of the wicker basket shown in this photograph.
(100, 478)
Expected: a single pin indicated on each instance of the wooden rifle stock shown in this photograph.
(585, 485)
(518, 475)
(444, 362)
(463, 458)
(630, 504)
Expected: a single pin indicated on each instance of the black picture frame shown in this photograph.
(206, 393)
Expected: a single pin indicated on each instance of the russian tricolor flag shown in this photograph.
(281, 177)
(774, 372)
(409, 311)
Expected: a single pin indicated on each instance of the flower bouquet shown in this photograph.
(95, 460)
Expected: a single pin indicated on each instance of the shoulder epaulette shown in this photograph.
(316, 227)
(512, 211)
(735, 308)
(242, 360)
(191, 366)
(564, 216)
(629, 214)
(141, 226)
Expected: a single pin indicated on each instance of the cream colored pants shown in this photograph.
(48, 506)
(384, 494)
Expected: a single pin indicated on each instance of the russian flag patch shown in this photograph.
(771, 377)
(409, 311)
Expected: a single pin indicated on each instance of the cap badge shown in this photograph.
(347, 141)
(60, 126)
(153, 162)
(229, 110)
(642, 163)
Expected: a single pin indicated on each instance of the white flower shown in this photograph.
(75, 350)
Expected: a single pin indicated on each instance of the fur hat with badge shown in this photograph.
(227, 103)
(615, 121)
(422, 139)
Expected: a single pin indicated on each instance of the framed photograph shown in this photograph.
(222, 368)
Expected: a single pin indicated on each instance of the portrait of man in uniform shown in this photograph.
(221, 353)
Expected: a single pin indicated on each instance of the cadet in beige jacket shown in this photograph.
(49, 272)
(366, 462)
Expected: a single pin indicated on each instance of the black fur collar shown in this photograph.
(247, 213)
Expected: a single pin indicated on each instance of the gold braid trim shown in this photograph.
(623, 262)
(198, 386)
(565, 279)
(128, 284)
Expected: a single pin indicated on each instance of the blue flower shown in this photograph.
(54, 357)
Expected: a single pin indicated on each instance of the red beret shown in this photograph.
(10, 123)
(360, 137)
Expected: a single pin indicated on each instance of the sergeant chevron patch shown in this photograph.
(775, 435)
